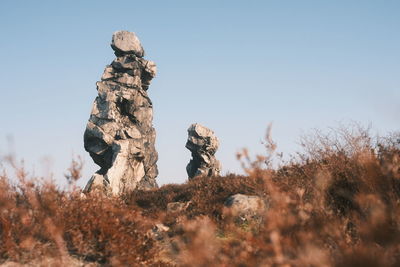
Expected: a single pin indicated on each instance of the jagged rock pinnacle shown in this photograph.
(119, 135)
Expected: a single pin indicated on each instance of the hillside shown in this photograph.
(336, 204)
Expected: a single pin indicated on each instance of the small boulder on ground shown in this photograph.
(176, 207)
(245, 207)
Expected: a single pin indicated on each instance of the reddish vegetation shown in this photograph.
(335, 205)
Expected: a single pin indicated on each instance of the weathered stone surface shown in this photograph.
(124, 42)
(119, 135)
(245, 207)
(203, 144)
(99, 184)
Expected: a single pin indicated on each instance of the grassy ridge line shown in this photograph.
(337, 205)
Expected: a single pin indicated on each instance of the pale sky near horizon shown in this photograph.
(233, 66)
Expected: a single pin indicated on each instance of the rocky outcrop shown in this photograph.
(119, 135)
(203, 144)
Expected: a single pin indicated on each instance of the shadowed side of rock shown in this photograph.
(203, 144)
(119, 136)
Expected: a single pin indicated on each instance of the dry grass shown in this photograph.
(337, 204)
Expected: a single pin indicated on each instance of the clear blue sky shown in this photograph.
(233, 66)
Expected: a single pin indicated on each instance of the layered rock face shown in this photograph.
(119, 135)
(203, 144)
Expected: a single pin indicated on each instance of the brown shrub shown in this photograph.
(336, 205)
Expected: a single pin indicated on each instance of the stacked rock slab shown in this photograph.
(119, 135)
(203, 144)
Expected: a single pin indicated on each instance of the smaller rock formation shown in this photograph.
(203, 144)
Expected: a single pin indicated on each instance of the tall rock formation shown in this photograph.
(203, 144)
(119, 135)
